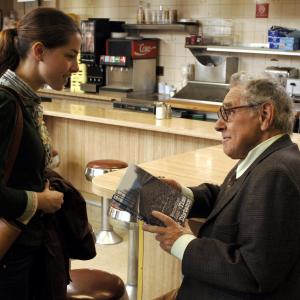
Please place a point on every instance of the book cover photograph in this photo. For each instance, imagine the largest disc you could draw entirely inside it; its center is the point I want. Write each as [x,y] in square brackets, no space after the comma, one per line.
[139,193]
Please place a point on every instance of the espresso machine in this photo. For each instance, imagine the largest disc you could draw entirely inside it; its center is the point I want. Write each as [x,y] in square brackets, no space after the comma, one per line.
[130,65]
[95,31]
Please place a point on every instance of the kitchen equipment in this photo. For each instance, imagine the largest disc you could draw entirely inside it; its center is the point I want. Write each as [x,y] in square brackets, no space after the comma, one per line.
[95,31]
[119,35]
[282,73]
[205,92]
[215,68]
[211,81]
[130,65]
[187,73]
[188,21]
[293,88]
[136,105]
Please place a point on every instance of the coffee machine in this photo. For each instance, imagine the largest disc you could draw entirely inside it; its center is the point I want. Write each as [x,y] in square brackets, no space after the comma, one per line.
[95,31]
[130,65]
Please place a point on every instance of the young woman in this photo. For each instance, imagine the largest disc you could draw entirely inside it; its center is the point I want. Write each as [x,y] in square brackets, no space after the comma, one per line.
[42,50]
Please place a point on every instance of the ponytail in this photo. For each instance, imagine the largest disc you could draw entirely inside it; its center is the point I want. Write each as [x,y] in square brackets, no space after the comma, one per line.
[47,25]
[9,57]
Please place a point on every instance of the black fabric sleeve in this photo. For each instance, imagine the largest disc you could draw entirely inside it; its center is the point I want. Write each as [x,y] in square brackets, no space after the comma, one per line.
[12,201]
[205,196]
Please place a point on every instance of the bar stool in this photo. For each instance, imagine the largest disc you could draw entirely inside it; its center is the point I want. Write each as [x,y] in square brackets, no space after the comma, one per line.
[95,284]
[106,236]
[133,244]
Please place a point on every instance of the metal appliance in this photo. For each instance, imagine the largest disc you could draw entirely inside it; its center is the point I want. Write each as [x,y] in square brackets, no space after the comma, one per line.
[213,68]
[293,89]
[130,65]
[282,73]
[211,80]
[206,92]
[95,32]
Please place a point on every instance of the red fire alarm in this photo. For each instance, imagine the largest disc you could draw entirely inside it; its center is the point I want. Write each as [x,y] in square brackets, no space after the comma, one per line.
[262,10]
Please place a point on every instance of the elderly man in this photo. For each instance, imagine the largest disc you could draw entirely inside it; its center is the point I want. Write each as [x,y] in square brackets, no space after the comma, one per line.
[249,246]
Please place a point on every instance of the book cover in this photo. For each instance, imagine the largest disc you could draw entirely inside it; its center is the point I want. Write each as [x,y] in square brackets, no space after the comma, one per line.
[139,193]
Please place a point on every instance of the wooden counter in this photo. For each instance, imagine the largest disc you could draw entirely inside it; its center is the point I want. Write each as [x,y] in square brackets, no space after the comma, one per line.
[161,272]
[66,94]
[105,114]
[87,130]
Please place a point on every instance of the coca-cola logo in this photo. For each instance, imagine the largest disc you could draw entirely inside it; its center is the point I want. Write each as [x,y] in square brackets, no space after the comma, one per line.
[144,49]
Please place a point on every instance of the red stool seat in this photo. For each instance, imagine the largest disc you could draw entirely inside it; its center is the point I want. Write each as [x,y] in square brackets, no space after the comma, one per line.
[94,284]
[107,164]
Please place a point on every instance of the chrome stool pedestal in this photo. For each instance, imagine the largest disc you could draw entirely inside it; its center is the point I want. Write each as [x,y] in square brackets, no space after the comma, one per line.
[106,235]
[133,244]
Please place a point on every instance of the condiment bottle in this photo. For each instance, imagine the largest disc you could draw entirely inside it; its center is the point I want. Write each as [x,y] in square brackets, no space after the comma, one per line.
[161,111]
[168,111]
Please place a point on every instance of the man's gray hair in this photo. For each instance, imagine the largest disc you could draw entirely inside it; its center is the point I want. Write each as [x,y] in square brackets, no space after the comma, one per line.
[266,89]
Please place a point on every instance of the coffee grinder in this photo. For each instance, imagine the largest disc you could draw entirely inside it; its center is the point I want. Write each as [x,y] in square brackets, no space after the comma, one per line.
[130,65]
[95,31]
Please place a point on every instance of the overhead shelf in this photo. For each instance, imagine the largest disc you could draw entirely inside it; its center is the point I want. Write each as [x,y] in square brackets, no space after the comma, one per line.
[190,28]
[249,50]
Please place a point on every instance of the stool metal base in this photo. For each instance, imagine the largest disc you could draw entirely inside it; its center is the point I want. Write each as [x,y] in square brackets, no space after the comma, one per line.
[105,237]
[131,291]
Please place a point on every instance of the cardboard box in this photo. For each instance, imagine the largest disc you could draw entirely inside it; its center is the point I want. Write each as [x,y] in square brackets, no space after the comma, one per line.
[289,43]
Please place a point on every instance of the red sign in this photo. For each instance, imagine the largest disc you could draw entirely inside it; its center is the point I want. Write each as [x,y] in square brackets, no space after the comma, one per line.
[262,10]
[144,49]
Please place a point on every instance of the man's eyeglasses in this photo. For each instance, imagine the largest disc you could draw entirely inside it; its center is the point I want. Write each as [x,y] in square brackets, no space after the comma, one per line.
[225,113]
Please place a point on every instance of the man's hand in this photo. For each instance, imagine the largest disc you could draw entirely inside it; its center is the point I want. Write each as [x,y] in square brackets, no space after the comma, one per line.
[171,182]
[169,234]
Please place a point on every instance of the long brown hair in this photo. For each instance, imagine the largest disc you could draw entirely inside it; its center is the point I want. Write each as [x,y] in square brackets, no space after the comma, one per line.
[47,25]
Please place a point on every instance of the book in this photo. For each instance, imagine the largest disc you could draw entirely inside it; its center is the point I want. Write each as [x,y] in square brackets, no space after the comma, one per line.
[139,193]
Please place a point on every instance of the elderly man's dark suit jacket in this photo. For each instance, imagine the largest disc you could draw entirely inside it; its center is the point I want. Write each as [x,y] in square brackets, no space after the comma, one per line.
[249,247]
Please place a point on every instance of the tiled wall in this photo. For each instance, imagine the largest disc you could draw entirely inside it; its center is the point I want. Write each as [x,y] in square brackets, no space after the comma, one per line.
[246,28]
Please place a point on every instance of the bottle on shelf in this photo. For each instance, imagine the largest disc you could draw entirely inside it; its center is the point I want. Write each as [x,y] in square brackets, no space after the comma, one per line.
[160,16]
[166,19]
[140,17]
[148,14]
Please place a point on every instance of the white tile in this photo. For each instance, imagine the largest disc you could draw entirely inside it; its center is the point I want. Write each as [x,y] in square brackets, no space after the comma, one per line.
[246,28]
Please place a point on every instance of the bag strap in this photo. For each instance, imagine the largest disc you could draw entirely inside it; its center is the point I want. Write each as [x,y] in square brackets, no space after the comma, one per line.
[17,134]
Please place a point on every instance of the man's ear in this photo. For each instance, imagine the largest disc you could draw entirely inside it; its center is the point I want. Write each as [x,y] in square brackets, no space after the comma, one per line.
[267,112]
[38,50]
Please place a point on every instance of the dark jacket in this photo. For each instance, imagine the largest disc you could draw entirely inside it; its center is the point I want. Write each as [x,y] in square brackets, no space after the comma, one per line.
[249,246]
[67,235]
[27,173]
